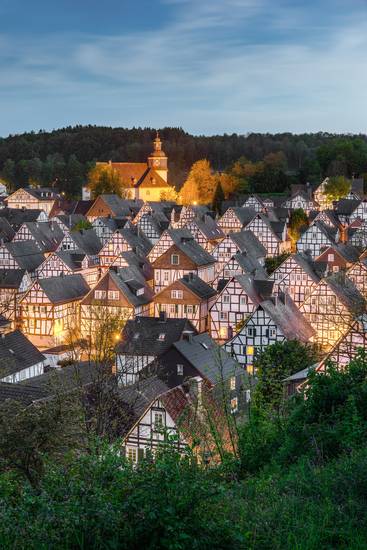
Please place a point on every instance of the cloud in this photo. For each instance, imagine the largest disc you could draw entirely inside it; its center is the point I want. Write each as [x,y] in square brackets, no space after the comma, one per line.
[229,65]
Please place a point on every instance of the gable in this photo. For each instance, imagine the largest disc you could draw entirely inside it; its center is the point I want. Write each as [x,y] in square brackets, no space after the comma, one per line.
[164,261]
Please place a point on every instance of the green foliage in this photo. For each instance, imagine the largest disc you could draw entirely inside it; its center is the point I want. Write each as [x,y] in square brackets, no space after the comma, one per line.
[82,224]
[273,365]
[218,198]
[298,220]
[337,188]
[273,262]
[343,155]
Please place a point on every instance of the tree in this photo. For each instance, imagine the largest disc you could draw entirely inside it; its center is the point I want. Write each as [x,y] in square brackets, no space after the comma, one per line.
[82,224]
[298,220]
[104,179]
[200,184]
[218,198]
[337,188]
[273,365]
[8,173]
[273,262]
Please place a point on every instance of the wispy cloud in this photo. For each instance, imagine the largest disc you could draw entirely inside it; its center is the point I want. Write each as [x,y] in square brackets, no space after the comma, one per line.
[220,65]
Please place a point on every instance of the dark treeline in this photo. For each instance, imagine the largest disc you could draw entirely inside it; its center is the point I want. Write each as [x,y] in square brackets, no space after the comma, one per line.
[65,156]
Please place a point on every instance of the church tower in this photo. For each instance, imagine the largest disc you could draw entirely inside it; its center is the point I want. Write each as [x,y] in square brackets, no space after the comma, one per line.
[158,160]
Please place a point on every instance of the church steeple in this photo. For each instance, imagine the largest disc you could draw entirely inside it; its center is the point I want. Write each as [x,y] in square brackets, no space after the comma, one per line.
[157,159]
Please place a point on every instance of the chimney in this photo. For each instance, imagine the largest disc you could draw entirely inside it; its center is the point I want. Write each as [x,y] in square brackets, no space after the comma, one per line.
[187,336]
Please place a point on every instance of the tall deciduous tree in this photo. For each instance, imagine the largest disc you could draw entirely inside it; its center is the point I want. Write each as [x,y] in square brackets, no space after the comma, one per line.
[337,188]
[104,179]
[200,184]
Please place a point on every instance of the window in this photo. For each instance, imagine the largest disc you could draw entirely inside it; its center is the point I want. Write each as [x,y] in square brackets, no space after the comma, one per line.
[248,396]
[223,315]
[162,336]
[272,332]
[251,331]
[234,405]
[175,259]
[132,454]
[158,420]
[113,295]
[335,268]
[180,370]
[176,294]
[330,257]
[243,300]
[249,350]
[100,294]
[166,275]
[232,383]
[226,299]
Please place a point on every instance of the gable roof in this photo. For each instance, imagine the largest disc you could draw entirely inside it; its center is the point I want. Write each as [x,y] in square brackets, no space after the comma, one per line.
[141,336]
[247,242]
[11,278]
[17,216]
[22,394]
[244,214]
[286,315]
[6,231]
[250,265]
[211,360]
[64,288]
[48,235]
[184,240]
[196,285]
[257,289]
[87,241]
[26,253]
[17,353]
[346,207]
[129,280]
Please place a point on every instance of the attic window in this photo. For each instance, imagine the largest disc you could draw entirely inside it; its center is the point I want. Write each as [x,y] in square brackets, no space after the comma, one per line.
[162,336]
[140,291]
[205,346]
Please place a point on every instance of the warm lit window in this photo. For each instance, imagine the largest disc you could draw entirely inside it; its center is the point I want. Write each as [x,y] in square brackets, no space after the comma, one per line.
[249,350]
[243,300]
[100,294]
[166,275]
[175,259]
[232,383]
[330,257]
[113,295]
[132,454]
[177,294]
[234,405]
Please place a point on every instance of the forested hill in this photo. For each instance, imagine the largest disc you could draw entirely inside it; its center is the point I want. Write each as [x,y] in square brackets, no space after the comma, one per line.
[67,153]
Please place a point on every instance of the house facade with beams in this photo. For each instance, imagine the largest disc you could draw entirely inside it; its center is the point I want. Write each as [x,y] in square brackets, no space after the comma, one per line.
[236,218]
[13,284]
[244,242]
[300,200]
[67,262]
[186,298]
[255,203]
[331,309]
[206,232]
[123,240]
[274,320]
[41,198]
[317,237]
[237,300]
[271,234]
[49,310]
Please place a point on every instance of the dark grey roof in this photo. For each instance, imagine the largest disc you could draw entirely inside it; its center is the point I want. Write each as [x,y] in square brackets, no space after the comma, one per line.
[198,286]
[184,240]
[141,262]
[17,353]
[211,360]
[11,278]
[87,241]
[129,280]
[358,186]
[6,231]
[286,315]
[64,288]
[26,253]
[17,216]
[257,289]
[24,394]
[141,395]
[121,207]
[66,378]
[39,192]
[47,235]
[69,220]
[72,258]
[247,242]
[250,265]
[244,214]
[347,251]
[138,242]
[141,336]
[209,227]
[315,270]
[346,291]
[346,207]
[329,232]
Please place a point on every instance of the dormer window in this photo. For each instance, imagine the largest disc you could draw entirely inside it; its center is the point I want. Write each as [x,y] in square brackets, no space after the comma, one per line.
[162,337]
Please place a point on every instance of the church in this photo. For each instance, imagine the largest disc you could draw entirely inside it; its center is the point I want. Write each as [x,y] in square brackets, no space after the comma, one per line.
[146,181]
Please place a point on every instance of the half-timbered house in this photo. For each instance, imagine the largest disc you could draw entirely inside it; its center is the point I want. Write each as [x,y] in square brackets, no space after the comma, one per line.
[358,275]
[206,232]
[47,235]
[113,206]
[240,264]
[121,294]
[185,255]
[49,310]
[16,217]
[274,320]
[331,308]
[13,284]
[242,242]
[236,301]
[347,346]
[106,227]
[236,218]
[186,298]
[255,203]
[144,340]
[70,262]
[316,237]
[122,241]
[39,198]
[339,256]
[297,276]
[271,234]
[21,255]
[300,200]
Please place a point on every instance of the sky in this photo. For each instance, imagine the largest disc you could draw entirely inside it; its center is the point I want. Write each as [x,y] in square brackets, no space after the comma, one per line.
[208,66]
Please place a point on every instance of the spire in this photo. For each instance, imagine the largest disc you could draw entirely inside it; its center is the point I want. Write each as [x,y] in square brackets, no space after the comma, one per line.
[157,143]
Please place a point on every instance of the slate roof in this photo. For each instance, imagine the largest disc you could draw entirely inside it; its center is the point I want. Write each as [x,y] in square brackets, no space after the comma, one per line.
[17,216]
[26,253]
[141,335]
[209,227]
[39,191]
[346,291]
[247,242]
[64,288]
[257,289]
[6,231]
[315,270]
[347,251]
[141,395]
[129,280]
[138,242]
[346,207]
[11,278]
[23,394]
[288,318]
[211,360]
[250,264]
[196,285]
[17,353]
[184,240]
[87,241]
[72,258]
[70,220]
[67,378]
[244,214]
[47,235]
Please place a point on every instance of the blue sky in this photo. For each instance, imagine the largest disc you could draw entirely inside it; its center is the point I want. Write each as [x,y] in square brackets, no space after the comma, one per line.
[210,66]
